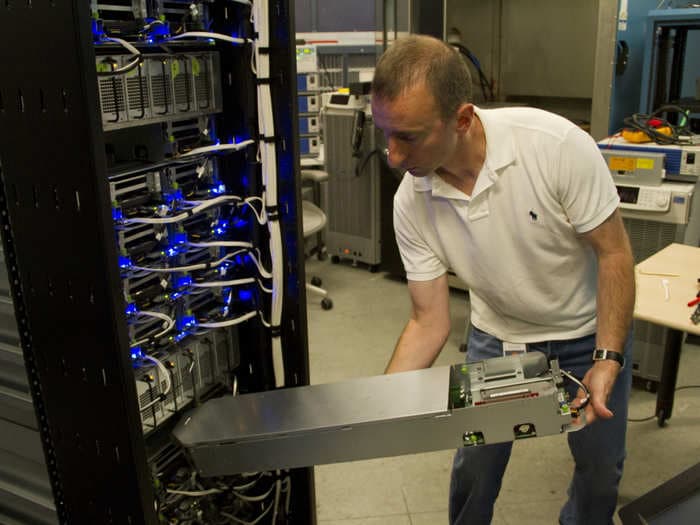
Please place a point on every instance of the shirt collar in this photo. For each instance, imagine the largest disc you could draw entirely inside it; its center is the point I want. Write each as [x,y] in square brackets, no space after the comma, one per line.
[500,153]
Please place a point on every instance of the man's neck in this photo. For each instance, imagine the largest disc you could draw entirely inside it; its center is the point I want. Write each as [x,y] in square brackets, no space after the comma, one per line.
[463,170]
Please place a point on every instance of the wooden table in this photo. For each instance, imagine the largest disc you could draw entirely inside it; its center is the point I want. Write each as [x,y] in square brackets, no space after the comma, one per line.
[666,282]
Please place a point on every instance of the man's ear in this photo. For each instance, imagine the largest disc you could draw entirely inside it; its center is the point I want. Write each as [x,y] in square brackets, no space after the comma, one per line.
[465,117]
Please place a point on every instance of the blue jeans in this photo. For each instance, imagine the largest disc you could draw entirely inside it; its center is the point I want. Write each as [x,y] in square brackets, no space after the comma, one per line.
[598,450]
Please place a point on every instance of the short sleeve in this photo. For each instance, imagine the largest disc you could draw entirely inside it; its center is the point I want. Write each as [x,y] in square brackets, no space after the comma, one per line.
[585,187]
[410,223]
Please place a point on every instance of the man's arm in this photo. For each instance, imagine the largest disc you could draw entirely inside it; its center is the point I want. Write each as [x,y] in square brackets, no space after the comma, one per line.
[427,329]
[615,299]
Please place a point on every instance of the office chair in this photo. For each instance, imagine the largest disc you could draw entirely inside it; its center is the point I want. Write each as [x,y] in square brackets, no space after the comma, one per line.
[314,220]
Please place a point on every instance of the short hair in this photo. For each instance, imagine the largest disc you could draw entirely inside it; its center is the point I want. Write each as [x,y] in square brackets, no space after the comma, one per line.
[419,59]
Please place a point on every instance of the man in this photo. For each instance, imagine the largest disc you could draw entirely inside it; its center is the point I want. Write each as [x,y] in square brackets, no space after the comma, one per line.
[519,203]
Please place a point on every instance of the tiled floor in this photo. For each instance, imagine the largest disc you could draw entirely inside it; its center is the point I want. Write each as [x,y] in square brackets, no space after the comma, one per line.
[356,339]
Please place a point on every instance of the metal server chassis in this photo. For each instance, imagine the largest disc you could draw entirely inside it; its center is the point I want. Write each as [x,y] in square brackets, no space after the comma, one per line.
[491,401]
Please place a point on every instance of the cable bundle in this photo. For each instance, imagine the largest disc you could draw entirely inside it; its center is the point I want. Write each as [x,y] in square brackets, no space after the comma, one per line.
[654,127]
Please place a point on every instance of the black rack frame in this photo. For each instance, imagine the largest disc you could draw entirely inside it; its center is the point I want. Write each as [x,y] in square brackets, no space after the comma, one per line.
[57,233]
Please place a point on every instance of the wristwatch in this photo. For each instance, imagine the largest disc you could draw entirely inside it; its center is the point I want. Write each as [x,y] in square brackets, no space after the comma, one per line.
[601,354]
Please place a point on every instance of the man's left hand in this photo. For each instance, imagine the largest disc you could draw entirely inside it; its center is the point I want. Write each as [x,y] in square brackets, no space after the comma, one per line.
[600,380]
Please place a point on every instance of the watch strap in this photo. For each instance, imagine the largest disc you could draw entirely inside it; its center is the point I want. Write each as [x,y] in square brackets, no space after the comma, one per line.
[602,354]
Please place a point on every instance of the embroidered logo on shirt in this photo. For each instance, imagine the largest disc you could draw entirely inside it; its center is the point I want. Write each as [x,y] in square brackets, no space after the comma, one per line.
[533,216]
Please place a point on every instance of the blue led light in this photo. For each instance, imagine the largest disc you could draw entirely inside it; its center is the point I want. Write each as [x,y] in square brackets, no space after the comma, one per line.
[136,353]
[97,29]
[186,321]
[183,281]
[245,295]
[124,261]
[218,190]
[179,238]
[175,195]
[131,309]
[240,223]
[117,214]
[159,29]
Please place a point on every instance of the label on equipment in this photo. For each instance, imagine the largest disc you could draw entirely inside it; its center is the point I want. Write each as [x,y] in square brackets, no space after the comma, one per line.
[622,163]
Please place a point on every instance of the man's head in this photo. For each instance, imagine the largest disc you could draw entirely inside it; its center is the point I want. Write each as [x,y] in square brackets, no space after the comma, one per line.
[420,100]
[420,59]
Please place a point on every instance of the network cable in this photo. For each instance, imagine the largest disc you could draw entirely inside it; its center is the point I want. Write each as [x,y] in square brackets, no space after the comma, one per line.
[210,36]
[268,157]
[127,67]
[197,207]
[234,282]
[216,148]
[166,376]
[168,325]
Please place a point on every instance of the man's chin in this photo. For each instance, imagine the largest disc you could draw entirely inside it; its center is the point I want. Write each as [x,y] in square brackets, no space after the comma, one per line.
[418,172]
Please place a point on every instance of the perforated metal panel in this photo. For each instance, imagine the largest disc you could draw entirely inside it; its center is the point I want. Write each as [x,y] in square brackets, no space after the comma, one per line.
[160,88]
[353,195]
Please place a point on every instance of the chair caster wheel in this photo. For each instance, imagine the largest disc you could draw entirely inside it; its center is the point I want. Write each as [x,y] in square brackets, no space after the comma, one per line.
[326,304]
[316,281]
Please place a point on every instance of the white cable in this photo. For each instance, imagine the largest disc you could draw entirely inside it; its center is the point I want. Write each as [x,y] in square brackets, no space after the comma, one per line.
[268,157]
[212,36]
[261,216]
[261,497]
[217,147]
[201,266]
[244,2]
[248,485]
[236,282]
[230,322]
[261,269]
[168,383]
[217,284]
[203,205]
[125,44]
[169,323]
[194,493]
[264,321]
[278,493]
[126,67]
[287,503]
[221,244]
[244,522]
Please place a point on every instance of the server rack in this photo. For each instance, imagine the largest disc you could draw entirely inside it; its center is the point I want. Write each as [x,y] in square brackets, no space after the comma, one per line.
[63,265]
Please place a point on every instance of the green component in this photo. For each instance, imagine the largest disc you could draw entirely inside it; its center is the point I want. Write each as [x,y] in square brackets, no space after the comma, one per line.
[171,138]
[175,68]
[195,67]
[473,438]
[103,67]
[565,409]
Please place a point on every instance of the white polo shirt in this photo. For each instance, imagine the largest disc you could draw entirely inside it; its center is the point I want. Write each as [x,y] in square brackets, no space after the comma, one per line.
[515,241]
